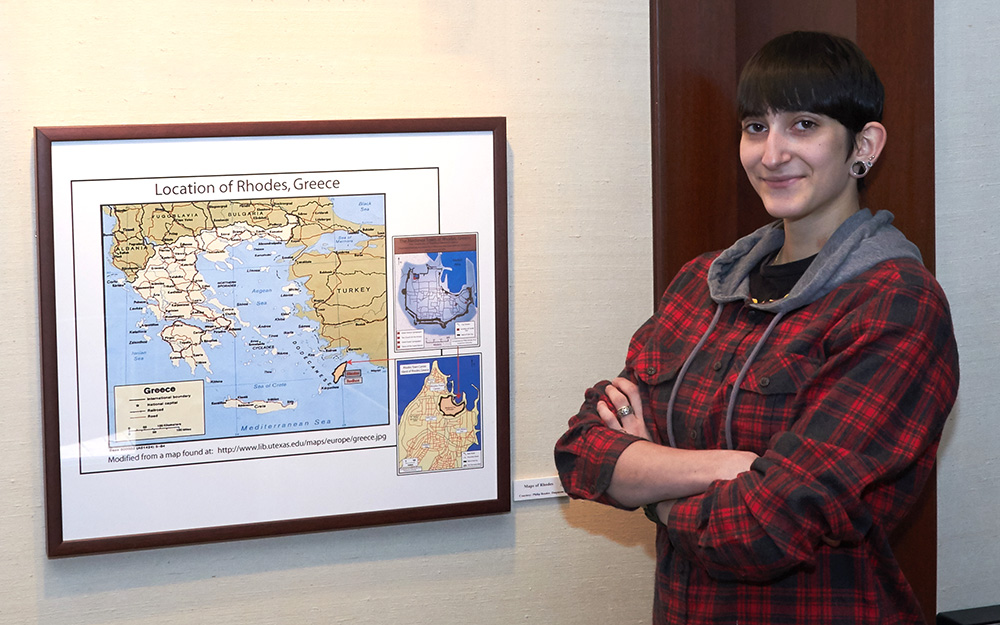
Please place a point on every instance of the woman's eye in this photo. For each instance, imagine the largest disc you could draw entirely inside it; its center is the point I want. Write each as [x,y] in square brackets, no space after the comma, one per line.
[805,124]
[754,127]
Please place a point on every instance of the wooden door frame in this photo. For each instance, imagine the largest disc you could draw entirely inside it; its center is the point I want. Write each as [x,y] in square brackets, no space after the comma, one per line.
[701,200]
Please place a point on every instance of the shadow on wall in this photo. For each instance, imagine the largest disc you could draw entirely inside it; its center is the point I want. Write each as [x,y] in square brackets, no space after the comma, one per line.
[479,540]
[628,529]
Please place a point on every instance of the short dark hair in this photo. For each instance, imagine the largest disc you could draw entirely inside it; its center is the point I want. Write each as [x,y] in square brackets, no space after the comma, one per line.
[814,72]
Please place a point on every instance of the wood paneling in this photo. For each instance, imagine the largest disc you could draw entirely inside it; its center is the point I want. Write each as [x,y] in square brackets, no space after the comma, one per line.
[695,132]
[898,37]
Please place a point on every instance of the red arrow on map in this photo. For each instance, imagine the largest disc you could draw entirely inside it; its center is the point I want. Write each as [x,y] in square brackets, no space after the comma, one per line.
[351,362]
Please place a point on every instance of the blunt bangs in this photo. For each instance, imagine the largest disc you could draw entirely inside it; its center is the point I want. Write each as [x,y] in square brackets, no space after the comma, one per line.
[813,72]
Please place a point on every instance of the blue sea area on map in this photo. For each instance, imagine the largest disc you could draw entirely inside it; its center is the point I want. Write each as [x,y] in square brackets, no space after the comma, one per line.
[340,242]
[361,209]
[276,354]
[464,381]
[460,271]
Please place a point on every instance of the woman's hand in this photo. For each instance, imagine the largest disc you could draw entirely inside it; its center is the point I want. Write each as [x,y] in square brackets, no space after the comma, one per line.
[625,410]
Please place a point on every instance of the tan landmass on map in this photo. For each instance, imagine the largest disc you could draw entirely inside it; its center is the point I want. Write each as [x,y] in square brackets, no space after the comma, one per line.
[348,298]
[141,227]
[129,251]
[186,344]
[175,290]
[338,373]
[259,405]
[449,407]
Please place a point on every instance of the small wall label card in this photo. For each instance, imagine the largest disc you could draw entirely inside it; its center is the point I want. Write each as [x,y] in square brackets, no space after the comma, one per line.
[268,328]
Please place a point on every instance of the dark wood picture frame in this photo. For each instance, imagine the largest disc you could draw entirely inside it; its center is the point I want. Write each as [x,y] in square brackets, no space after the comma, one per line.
[481,495]
[701,199]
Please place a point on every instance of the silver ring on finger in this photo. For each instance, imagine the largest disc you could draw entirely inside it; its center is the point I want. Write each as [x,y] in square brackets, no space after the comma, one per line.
[625,411]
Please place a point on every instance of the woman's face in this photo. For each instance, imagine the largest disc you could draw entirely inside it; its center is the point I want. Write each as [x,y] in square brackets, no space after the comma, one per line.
[798,164]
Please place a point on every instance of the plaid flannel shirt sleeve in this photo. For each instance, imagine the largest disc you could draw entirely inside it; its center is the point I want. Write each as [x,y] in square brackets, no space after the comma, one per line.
[587,453]
[858,455]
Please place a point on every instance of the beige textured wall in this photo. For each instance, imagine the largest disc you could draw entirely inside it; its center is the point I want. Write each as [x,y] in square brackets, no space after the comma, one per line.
[967,93]
[571,76]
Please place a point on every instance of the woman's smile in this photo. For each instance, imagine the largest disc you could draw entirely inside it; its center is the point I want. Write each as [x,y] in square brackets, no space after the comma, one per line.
[781,182]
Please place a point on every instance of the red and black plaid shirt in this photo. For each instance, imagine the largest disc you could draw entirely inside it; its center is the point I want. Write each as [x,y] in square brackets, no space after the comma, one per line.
[845,404]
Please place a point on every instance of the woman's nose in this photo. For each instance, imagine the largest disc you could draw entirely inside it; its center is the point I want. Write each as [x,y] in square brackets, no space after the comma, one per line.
[775,150]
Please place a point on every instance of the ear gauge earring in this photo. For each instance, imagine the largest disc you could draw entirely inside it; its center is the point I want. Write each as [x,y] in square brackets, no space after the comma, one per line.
[860,169]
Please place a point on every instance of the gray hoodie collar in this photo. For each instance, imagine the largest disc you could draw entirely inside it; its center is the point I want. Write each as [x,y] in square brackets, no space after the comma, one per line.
[861,242]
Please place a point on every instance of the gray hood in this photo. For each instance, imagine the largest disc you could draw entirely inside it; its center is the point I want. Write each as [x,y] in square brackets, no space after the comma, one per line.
[860,243]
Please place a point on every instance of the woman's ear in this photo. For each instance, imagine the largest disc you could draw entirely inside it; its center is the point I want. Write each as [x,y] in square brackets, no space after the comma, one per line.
[869,142]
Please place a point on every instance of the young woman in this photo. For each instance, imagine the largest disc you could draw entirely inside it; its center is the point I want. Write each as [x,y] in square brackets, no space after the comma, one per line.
[780,412]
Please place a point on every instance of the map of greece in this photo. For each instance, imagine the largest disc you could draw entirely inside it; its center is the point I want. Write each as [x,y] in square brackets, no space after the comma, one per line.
[270,314]
[439,425]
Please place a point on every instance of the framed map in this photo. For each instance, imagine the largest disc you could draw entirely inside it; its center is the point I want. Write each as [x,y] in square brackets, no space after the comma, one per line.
[268,328]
